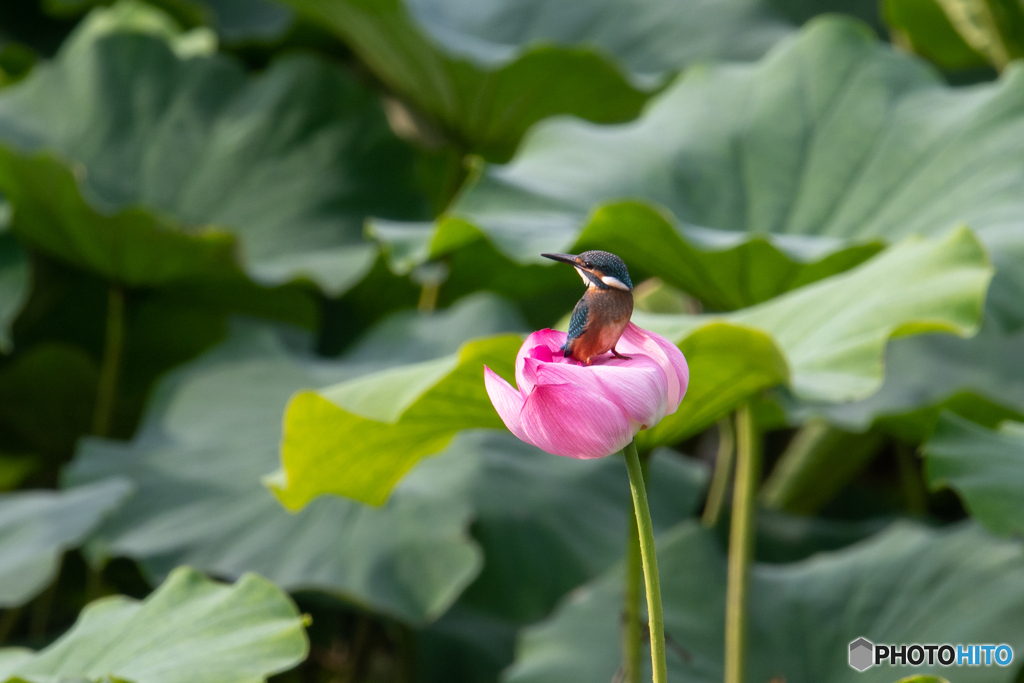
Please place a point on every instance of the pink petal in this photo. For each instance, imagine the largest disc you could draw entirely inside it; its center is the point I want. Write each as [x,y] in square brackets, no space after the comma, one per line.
[570,420]
[638,341]
[679,368]
[638,385]
[543,345]
[507,401]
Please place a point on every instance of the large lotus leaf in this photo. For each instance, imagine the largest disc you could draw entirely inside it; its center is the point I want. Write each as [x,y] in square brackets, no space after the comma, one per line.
[36,527]
[901,586]
[985,467]
[190,630]
[980,378]
[374,429]
[743,181]
[132,247]
[648,39]
[14,281]
[212,430]
[485,71]
[136,16]
[286,165]
[359,437]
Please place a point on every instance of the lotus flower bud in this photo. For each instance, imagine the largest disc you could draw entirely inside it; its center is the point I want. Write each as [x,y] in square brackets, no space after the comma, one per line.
[580,411]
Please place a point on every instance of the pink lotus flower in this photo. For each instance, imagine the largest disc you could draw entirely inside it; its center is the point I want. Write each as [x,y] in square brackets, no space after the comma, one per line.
[580,411]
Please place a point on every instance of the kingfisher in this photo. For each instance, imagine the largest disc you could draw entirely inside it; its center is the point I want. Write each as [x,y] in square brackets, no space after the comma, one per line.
[601,316]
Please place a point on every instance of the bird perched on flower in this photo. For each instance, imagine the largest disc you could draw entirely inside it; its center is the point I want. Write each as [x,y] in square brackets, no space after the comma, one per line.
[589,411]
[601,315]
[575,399]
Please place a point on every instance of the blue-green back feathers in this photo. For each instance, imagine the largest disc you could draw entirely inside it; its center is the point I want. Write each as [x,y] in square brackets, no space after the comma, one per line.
[578,322]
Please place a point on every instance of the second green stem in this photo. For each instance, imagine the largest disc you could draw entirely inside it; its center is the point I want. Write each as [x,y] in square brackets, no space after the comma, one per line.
[655,618]
[741,545]
[723,470]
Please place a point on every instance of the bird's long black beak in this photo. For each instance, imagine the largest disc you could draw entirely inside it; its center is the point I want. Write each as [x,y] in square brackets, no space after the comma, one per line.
[564,258]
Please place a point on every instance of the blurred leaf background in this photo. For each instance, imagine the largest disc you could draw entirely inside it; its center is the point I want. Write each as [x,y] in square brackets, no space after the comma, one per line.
[254,253]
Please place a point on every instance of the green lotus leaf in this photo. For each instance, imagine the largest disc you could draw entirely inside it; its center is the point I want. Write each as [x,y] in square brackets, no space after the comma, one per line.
[386,423]
[978,378]
[827,339]
[36,527]
[728,363]
[919,387]
[196,464]
[990,29]
[833,332]
[483,76]
[893,588]
[178,170]
[190,630]
[924,27]
[135,16]
[740,182]
[675,34]
[985,467]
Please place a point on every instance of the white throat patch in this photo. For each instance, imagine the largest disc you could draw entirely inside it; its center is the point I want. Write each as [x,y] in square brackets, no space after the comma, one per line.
[614,282]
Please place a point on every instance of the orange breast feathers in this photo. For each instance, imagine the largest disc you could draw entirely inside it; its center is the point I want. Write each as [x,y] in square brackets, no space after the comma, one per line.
[609,315]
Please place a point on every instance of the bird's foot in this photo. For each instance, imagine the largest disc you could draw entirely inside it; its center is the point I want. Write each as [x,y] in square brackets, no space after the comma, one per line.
[616,354]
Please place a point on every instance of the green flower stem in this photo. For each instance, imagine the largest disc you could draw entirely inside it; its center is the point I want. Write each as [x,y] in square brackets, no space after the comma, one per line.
[723,470]
[106,391]
[656,620]
[741,544]
[632,632]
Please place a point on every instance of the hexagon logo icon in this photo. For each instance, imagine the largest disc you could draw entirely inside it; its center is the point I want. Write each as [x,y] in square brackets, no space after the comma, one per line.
[862,653]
